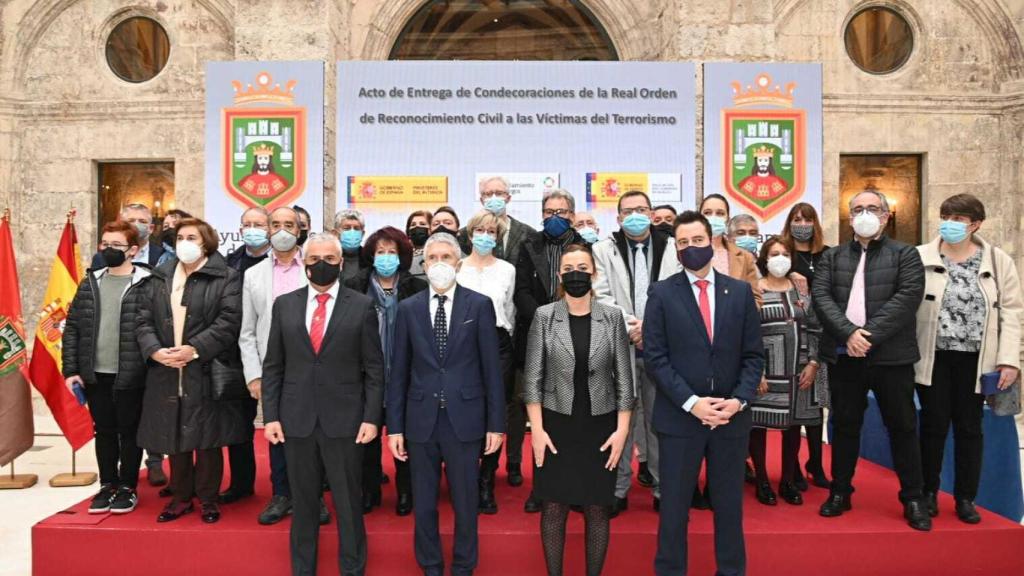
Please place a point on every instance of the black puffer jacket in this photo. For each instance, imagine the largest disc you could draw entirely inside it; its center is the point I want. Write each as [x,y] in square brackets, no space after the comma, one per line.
[176,420]
[894,288]
[80,330]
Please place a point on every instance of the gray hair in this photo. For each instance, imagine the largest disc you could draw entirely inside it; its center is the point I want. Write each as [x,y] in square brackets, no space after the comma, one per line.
[324,238]
[559,193]
[485,181]
[739,220]
[343,215]
[881,197]
[443,238]
[137,206]
[258,209]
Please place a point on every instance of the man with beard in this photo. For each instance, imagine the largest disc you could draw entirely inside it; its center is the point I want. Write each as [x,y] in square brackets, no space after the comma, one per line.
[263,182]
[762,182]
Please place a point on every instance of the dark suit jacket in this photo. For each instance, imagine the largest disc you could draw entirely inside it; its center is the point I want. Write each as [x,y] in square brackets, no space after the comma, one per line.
[470,372]
[341,387]
[533,284]
[517,233]
[681,360]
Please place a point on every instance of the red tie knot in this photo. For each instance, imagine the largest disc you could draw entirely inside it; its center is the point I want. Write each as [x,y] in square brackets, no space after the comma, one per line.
[702,284]
[323,298]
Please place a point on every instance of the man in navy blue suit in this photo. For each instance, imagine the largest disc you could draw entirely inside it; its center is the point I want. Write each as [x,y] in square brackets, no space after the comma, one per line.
[445,397]
[703,349]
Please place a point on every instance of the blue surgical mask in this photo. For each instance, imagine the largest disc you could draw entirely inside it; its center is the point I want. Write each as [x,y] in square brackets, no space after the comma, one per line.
[748,243]
[556,226]
[718,225]
[254,237]
[588,234]
[385,264]
[636,224]
[495,205]
[351,240]
[484,243]
[953,232]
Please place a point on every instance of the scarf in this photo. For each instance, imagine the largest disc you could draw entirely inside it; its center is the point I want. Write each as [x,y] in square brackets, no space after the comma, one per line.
[387,311]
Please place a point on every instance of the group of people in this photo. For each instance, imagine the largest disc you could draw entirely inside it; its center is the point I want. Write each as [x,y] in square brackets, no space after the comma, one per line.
[679,339]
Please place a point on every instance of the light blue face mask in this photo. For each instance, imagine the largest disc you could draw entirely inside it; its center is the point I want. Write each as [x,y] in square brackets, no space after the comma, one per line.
[953,232]
[351,239]
[636,224]
[748,243]
[385,264]
[588,234]
[254,237]
[484,243]
[718,225]
[495,205]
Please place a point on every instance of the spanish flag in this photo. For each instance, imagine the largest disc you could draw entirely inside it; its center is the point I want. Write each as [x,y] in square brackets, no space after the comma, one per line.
[45,368]
[16,431]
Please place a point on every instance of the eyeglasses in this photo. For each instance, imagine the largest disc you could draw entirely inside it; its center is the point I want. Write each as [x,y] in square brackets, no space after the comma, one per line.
[873,210]
[645,210]
[549,212]
[493,193]
[121,247]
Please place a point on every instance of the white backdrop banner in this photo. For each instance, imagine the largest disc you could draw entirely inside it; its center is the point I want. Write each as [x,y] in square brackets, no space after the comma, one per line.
[264,141]
[762,138]
[432,130]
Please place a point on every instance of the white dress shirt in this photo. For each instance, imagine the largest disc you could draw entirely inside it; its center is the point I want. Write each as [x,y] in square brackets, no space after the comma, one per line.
[143,254]
[447,307]
[498,282]
[692,279]
[312,304]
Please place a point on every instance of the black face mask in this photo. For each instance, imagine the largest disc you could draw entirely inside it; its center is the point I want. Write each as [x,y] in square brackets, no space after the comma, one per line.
[576,283]
[303,234]
[419,235]
[112,257]
[665,227]
[441,229]
[323,273]
[168,237]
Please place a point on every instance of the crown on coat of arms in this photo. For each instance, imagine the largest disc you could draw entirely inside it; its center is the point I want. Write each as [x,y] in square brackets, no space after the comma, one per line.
[264,91]
[263,150]
[762,93]
[764,152]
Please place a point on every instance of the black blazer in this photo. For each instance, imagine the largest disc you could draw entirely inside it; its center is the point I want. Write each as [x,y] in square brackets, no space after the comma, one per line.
[342,386]
[533,284]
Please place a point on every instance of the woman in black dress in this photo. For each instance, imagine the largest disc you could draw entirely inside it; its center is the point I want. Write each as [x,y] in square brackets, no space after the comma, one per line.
[578,425]
[803,230]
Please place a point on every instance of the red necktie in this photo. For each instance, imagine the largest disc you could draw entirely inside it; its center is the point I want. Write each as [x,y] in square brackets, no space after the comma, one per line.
[705,307]
[316,327]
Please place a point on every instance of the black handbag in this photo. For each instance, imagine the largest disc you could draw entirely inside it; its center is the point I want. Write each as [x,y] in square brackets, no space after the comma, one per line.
[227,382]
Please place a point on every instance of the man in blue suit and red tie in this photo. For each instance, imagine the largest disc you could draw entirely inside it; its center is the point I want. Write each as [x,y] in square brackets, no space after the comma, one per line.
[446,396]
[703,349]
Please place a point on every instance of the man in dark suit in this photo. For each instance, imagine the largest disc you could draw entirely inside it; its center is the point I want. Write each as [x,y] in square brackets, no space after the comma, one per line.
[445,396]
[703,349]
[323,386]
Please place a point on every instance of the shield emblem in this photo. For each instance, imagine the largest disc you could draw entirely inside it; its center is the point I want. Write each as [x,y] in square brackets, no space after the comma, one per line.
[264,155]
[764,158]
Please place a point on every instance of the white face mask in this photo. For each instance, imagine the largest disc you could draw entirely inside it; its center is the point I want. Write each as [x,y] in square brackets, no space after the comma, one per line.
[188,252]
[283,240]
[441,275]
[778,265]
[866,225]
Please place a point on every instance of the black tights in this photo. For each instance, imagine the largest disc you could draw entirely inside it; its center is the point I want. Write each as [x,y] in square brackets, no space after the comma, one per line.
[790,449]
[552,533]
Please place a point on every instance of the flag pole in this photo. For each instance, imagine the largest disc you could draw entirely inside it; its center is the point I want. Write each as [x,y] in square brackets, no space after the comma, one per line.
[17,481]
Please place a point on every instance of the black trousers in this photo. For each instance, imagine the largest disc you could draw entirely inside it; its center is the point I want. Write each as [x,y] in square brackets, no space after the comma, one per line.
[515,411]
[200,476]
[115,416]
[851,378]
[373,471]
[242,457]
[951,399]
[725,449]
[309,459]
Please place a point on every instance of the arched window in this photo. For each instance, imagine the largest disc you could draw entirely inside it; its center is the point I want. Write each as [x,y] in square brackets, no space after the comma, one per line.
[503,30]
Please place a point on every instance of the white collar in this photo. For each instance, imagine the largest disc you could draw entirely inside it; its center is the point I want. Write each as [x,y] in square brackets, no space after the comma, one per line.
[333,291]
[450,293]
[692,278]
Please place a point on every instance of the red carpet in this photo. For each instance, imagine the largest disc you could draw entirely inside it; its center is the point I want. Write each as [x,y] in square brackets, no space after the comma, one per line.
[872,539]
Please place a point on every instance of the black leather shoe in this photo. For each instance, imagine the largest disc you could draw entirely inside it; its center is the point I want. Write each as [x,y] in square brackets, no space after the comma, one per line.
[231,496]
[966,511]
[765,494]
[748,474]
[644,476]
[931,502]
[404,505]
[621,505]
[917,517]
[820,480]
[486,502]
[370,499]
[174,510]
[657,504]
[155,475]
[276,510]
[835,505]
[699,502]
[325,516]
[791,493]
[801,483]
[515,474]
[533,504]
[210,512]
